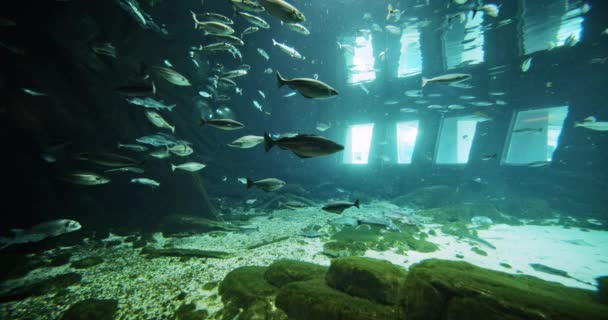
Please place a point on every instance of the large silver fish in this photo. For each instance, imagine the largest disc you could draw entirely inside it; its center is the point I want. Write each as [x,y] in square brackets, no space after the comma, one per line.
[283,10]
[309,88]
[303,145]
[172,76]
[41,231]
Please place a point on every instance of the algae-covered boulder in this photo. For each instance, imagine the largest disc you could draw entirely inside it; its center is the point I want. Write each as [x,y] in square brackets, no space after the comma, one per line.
[244,285]
[188,311]
[91,309]
[53,284]
[313,299]
[428,197]
[372,279]
[437,289]
[282,272]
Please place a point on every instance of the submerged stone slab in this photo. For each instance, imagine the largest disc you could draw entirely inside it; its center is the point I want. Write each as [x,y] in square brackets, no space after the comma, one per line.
[245,285]
[313,299]
[92,309]
[438,289]
[282,272]
[373,279]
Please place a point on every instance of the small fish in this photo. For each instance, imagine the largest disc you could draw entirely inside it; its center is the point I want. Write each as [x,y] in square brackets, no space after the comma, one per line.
[487,157]
[104,49]
[340,206]
[528,130]
[291,94]
[172,76]
[48,157]
[205,94]
[34,93]
[537,164]
[322,126]
[408,110]
[157,120]
[292,205]
[211,26]
[108,159]
[482,103]
[254,20]
[303,145]
[268,184]
[84,178]
[181,150]
[262,94]
[249,30]
[525,66]
[207,16]
[248,5]
[131,147]
[246,142]
[160,153]
[268,71]
[296,27]
[257,105]
[251,201]
[223,124]
[264,54]
[127,169]
[447,78]
[592,124]
[150,103]
[238,91]
[456,107]
[393,29]
[189,166]
[242,180]
[146,182]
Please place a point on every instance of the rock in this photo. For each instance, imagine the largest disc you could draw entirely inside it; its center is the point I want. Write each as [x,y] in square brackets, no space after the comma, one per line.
[139,243]
[87,262]
[151,253]
[313,299]
[282,272]
[336,249]
[60,260]
[53,284]
[367,278]
[245,285]
[602,289]
[456,290]
[91,309]
[428,197]
[188,312]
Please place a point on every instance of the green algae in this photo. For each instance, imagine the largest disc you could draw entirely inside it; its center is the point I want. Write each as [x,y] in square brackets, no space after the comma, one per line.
[282,272]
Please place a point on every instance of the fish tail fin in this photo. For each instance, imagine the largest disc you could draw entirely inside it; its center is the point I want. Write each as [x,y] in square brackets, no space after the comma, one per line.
[268,142]
[424,81]
[280,80]
[173,167]
[357,204]
[577,124]
[172,129]
[249,183]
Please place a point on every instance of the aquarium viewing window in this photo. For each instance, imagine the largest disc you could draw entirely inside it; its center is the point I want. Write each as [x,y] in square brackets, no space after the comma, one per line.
[549,24]
[464,42]
[358,143]
[406,140]
[534,135]
[360,60]
[410,60]
[455,140]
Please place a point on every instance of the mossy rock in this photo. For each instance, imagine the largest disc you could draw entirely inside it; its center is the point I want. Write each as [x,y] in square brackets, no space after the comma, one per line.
[313,299]
[151,253]
[139,243]
[439,289]
[355,241]
[525,208]
[282,272]
[245,285]
[87,262]
[428,197]
[15,265]
[367,278]
[336,249]
[91,309]
[602,289]
[479,251]
[53,284]
[60,260]
[188,311]
[262,310]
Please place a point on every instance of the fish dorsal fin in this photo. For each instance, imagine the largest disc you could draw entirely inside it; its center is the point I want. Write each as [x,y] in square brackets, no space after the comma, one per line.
[590,119]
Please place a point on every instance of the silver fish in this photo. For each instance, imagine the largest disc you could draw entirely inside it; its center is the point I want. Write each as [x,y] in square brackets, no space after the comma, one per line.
[283,10]
[146,182]
[254,20]
[268,184]
[309,88]
[172,76]
[287,49]
[41,231]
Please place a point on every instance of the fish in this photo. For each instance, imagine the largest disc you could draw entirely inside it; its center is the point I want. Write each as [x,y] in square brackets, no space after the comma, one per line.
[211,26]
[234,74]
[223,124]
[248,5]
[160,140]
[257,105]
[481,103]
[344,221]
[251,201]
[131,147]
[293,205]
[249,30]
[217,46]
[537,164]
[168,63]
[146,182]
[408,110]
[393,13]
[188,166]
[447,78]
[227,38]
[160,153]
[340,206]
[225,82]
[456,107]
[126,169]
[151,103]
[137,90]
[491,10]
[84,178]
[222,97]
[528,130]
[262,94]
[591,123]
[246,142]
[157,120]
[303,145]
[487,157]
[40,232]
[172,76]
[346,47]
[109,159]
[268,71]
[481,221]
[205,94]
[525,66]
[322,126]
[296,27]
[210,16]
[268,184]
[264,54]
[34,93]
[181,150]
[405,218]
[283,10]
[104,49]
[309,88]
[254,20]
[310,232]
[291,94]
[556,272]
[287,49]
[386,223]
[393,29]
